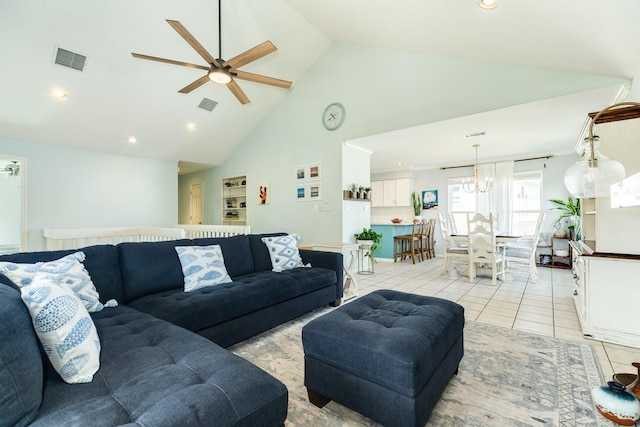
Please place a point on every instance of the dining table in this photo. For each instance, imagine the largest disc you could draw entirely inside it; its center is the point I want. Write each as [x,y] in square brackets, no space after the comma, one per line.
[500,238]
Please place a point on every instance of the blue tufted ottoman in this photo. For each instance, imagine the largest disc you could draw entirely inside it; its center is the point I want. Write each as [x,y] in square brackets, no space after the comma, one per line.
[387,355]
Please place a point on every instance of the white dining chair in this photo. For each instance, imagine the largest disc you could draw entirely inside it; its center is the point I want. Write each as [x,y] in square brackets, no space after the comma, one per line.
[483,248]
[450,250]
[524,251]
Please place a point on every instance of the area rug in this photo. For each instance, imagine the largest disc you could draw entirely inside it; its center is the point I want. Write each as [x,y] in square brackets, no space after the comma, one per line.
[506,378]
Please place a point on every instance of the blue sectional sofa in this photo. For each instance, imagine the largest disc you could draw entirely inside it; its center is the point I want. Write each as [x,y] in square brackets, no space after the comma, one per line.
[162,361]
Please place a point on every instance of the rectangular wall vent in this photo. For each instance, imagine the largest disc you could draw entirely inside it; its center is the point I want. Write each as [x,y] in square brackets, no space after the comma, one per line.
[207,104]
[70,59]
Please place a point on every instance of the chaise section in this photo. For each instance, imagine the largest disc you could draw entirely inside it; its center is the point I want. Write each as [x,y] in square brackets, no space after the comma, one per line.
[154,373]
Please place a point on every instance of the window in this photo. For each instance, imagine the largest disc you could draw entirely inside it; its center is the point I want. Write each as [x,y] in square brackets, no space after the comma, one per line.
[526,202]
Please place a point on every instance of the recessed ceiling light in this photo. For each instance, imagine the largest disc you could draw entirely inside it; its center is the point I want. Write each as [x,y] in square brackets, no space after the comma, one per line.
[487,4]
[132,140]
[399,163]
[191,126]
[59,94]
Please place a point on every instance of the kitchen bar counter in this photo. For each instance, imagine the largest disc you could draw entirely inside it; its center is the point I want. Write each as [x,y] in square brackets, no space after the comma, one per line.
[389,231]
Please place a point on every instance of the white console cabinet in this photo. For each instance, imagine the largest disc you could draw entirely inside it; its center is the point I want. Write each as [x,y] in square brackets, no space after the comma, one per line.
[606,263]
[606,293]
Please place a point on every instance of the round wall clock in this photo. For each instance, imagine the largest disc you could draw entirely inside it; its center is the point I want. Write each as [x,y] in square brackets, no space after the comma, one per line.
[333,116]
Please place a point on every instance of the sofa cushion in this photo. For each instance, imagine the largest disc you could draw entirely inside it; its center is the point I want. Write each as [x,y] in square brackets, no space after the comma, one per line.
[156,374]
[207,307]
[283,251]
[68,269]
[21,371]
[150,267]
[202,266]
[64,327]
[236,251]
[101,262]
[259,251]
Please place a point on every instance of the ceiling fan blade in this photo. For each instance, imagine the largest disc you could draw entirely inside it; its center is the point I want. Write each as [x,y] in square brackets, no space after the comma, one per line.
[191,86]
[169,61]
[251,55]
[235,89]
[262,79]
[192,41]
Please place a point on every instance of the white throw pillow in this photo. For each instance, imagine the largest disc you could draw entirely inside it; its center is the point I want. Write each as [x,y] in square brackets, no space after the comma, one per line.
[202,266]
[68,270]
[64,327]
[284,253]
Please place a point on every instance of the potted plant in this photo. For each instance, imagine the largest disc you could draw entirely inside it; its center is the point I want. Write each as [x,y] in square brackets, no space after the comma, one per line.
[370,237]
[353,188]
[417,205]
[367,191]
[360,192]
[570,213]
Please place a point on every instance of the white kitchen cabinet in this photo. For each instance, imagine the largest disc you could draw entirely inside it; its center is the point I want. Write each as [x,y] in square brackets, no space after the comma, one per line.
[391,192]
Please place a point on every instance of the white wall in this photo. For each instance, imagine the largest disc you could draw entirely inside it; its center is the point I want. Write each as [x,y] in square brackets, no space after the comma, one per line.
[11,205]
[76,188]
[292,134]
[356,215]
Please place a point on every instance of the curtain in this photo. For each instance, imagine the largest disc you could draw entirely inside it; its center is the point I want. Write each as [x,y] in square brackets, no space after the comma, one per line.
[497,201]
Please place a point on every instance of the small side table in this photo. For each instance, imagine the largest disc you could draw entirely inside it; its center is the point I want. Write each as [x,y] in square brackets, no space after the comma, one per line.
[349,268]
[365,263]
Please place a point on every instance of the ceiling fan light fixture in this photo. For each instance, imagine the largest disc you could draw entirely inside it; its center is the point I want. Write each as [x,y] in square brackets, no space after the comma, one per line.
[219,76]
[487,4]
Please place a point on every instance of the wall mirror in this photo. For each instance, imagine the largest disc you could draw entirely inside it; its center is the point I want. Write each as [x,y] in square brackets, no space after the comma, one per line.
[12,208]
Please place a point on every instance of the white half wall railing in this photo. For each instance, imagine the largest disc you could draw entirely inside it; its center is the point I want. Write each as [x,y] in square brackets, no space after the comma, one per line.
[199,231]
[74,238]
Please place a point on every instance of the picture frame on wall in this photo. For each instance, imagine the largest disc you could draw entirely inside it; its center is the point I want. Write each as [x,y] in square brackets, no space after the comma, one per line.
[300,173]
[314,172]
[430,199]
[264,193]
[315,191]
[301,192]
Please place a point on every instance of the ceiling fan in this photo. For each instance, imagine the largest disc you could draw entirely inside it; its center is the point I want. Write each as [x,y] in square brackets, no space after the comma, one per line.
[219,70]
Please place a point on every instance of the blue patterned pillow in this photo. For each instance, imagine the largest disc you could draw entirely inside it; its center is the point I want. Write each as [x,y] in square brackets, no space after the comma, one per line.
[68,270]
[202,266]
[64,327]
[284,253]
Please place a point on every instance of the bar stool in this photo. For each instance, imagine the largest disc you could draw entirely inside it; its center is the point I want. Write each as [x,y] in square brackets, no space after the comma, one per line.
[409,245]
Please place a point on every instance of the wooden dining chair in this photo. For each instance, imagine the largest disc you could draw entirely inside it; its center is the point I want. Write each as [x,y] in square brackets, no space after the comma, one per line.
[408,245]
[432,238]
[450,250]
[483,248]
[424,239]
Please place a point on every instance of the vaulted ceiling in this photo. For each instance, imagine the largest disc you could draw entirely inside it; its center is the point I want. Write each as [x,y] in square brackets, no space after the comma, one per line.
[117,96]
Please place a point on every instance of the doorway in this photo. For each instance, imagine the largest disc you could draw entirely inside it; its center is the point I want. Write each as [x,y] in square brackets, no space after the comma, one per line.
[12,211]
[196,205]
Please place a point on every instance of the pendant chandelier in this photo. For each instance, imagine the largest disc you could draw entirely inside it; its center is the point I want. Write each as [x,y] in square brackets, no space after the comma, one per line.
[477,186]
[593,175]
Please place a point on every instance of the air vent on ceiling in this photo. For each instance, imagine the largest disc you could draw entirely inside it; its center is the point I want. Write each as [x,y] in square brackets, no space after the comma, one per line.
[475,134]
[207,104]
[70,59]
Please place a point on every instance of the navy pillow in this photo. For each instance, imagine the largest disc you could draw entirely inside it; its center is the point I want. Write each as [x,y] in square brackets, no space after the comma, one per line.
[261,257]
[101,263]
[21,374]
[150,267]
[236,252]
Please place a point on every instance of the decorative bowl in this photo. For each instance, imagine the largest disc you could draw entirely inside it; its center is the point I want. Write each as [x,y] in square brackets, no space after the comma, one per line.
[627,380]
[562,252]
[396,220]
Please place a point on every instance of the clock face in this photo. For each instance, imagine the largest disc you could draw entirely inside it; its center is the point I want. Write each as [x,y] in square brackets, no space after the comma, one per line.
[333,116]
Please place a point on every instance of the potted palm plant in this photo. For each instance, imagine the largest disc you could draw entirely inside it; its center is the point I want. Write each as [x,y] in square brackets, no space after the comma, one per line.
[570,214]
[372,239]
[416,203]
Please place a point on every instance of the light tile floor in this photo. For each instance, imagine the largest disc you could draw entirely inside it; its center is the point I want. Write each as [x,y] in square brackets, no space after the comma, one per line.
[545,307]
